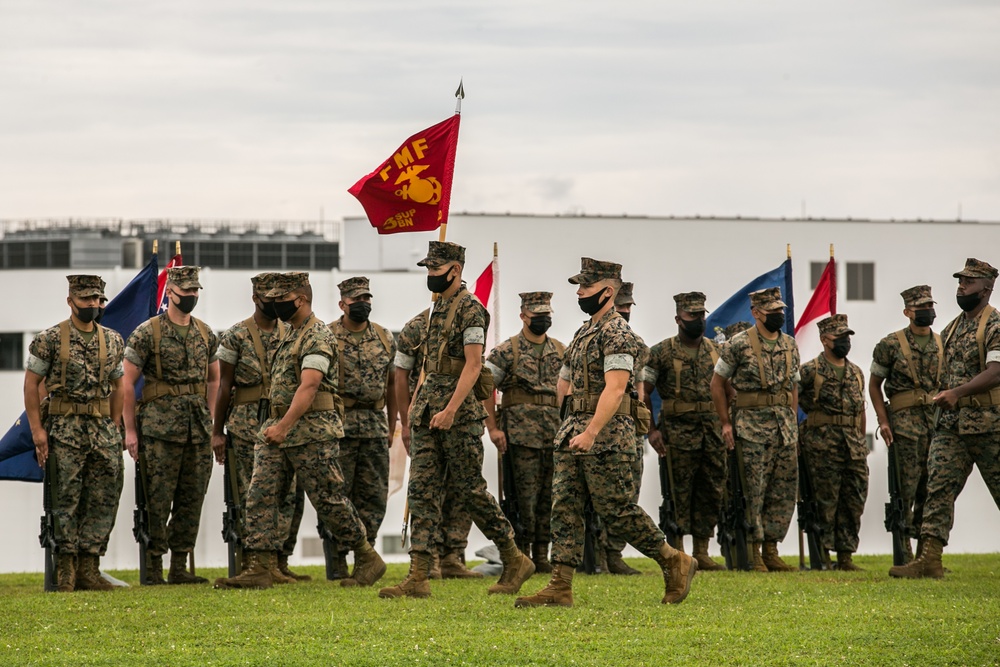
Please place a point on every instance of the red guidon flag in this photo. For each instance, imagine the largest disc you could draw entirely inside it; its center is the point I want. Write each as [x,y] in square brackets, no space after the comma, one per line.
[411,190]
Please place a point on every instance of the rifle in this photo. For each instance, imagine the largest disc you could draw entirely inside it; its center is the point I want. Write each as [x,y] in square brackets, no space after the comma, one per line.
[140,516]
[47,536]
[592,527]
[508,490]
[668,509]
[734,520]
[808,510]
[895,512]
[331,552]
[232,517]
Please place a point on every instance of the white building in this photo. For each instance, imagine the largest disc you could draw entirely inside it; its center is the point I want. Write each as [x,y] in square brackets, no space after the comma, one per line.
[876,260]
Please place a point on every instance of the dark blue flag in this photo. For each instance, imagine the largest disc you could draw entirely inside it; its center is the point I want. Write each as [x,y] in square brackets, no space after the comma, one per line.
[131,307]
[737,307]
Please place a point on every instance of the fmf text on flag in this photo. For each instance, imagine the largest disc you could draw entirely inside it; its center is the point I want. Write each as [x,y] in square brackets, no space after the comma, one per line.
[411,190]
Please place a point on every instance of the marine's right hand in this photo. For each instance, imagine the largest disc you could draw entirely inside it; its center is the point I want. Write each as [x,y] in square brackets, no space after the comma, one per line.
[728,437]
[886,433]
[656,442]
[219,448]
[404,433]
[132,444]
[41,440]
[499,439]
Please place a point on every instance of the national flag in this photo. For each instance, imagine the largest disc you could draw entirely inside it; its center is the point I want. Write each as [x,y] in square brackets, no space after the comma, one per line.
[823,303]
[411,190]
[486,283]
[737,307]
[131,307]
[161,284]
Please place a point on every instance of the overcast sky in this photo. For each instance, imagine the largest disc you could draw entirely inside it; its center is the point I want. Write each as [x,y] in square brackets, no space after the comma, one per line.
[252,109]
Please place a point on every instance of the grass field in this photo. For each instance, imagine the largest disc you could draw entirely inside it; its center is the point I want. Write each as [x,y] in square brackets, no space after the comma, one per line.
[802,618]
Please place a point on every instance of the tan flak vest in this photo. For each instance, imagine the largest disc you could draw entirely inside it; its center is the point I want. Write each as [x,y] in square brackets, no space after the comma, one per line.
[254,393]
[916,396]
[519,396]
[676,406]
[98,407]
[987,398]
[764,398]
[155,386]
[353,403]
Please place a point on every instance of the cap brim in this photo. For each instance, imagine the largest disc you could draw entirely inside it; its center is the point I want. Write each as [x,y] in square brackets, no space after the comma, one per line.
[274,293]
[432,262]
[88,292]
[917,304]
[582,279]
[354,294]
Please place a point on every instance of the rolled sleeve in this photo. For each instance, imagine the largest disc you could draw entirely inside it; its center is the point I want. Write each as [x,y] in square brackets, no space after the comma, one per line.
[405,361]
[118,372]
[498,374]
[37,366]
[474,336]
[879,371]
[317,362]
[993,356]
[723,369]
[649,374]
[619,362]
[564,373]
[227,355]
[134,357]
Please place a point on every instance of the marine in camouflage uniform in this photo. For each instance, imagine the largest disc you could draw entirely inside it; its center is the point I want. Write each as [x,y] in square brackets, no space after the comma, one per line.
[526,369]
[832,437]
[452,538]
[300,441]
[596,442]
[173,420]
[246,351]
[446,429]
[765,420]
[79,431]
[688,432]
[969,429]
[907,366]
[366,384]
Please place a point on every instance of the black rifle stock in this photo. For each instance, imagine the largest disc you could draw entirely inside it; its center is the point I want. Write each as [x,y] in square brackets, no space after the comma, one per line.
[809,524]
[47,536]
[591,525]
[232,516]
[895,512]
[508,489]
[140,516]
[734,520]
[668,506]
[331,552]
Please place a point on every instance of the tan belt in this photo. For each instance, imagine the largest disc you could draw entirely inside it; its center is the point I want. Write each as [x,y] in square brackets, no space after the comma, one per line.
[984,400]
[518,396]
[248,394]
[353,404]
[98,407]
[684,407]
[588,403]
[910,399]
[760,399]
[446,366]
[823,419]
[154,389]
[324,401]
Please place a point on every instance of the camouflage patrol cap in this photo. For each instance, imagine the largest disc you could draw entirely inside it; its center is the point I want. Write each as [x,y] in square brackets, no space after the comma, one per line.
[735,328]
[185,277]
[287,282]
[917,296]
[835,325]
[86,286]
[766,299]
[354,287]
[442,252]
[263,282]
[976,268]
[690,302]
[594,270]
[536,302]
[624,295]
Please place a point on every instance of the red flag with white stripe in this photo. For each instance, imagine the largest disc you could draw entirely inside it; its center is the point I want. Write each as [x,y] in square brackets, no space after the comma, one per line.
[161,283]
[823,303]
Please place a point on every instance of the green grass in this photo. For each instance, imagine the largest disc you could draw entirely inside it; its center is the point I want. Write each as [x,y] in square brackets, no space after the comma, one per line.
[802,618]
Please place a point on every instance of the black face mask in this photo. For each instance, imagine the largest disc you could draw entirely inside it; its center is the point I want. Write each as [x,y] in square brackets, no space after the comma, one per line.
[841,347]
[968,302]
[774,321]
[924,317]
[88,315]
[693,328]
[592,304]
[286,309]
[539,324]
[186,304]
[438,284]
[626,314]
[267,308]
[359,311]
[100,315]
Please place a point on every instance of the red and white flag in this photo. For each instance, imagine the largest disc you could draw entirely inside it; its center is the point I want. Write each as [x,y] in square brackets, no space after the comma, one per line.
[161,283]
[486,285]
[823,303]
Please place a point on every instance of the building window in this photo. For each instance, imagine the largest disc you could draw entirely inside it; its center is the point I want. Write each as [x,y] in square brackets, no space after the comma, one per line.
[269,256]
[60,254]
[860,281]
[17,255]
[38,254]
[815,273]
[211,253]
[241,256]
[298,256]
[327,256]
[11,351]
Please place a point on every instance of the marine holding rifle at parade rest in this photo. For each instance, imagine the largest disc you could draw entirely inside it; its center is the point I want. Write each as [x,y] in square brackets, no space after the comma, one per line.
[75,431]
[907,368]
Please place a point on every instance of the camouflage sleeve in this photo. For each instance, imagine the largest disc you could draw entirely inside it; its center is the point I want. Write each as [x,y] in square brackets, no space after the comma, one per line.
[213,345]
[499,362]
[564,373]
[392,350]
[407,344]
[729,358]
[807,376]
[40,354]
[881,359]
[651,372]
[317,351]
[619,346]
[229,347]
[473,320]
[138,347]
[796,362]
[115,342]
[992,338]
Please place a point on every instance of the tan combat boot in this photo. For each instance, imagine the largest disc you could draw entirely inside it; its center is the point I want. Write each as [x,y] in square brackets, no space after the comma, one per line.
[772,561]
[178,570]
[66,573]
[452,567]
[617,566]
[256,572]
[558,592]
[540,557]
[283,568]
[678,572]
[758,562]
[700,553]
[154,571]
[517,569]
[368,566]
[846,563]
[927,564]
[277,575]
[435,571]
[88,574]
[415,585]
[907,550]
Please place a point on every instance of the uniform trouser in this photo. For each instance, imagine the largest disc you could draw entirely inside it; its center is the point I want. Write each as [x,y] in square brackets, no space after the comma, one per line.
[840,485]
[456,521]
[89,480]
[911,457]
[608,539]
[772,476]
[607,478]
[289,509]
[436,455]
[948,467]
[314,465]
[177,475]
[533,485]
[365,465]
[699,478]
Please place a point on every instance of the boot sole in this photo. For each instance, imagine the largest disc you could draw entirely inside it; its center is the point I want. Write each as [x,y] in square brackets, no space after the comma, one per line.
[391,596]
[222,584]
[522,604]
[357,582]
[687,584]
[519,579]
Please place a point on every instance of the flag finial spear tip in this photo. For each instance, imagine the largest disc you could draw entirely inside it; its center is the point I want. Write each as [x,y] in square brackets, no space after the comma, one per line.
[460,93]
[831,251]
[788,250]
[155,244]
